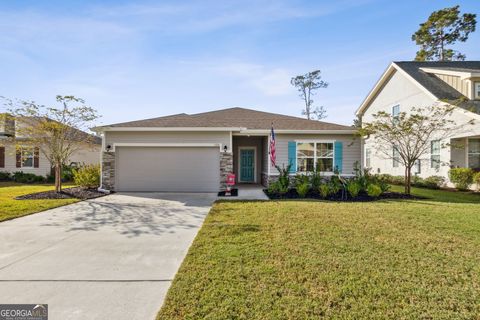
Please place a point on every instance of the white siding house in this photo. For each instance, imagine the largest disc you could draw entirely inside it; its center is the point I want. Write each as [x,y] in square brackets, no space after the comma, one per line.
[405,85]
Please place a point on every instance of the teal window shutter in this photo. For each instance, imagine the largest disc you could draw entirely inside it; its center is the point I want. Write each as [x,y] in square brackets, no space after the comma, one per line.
[292,155]
[338,149]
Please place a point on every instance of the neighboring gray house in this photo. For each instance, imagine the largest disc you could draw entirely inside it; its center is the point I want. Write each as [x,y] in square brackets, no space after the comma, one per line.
[194,153]
[419,84]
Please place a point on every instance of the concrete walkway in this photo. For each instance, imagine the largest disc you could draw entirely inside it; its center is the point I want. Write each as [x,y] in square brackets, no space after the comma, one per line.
[108,258]
[248,192]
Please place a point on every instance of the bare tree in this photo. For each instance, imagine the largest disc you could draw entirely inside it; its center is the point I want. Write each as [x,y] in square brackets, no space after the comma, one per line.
[406,138]
[306,85]
[56,131]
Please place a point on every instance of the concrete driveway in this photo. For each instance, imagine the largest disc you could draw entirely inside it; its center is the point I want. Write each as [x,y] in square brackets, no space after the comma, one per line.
[109,258]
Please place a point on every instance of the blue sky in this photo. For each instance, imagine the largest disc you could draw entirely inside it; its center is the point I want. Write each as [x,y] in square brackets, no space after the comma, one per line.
[141,59]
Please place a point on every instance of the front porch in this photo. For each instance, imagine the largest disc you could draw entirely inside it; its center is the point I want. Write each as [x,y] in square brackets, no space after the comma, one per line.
[250,159]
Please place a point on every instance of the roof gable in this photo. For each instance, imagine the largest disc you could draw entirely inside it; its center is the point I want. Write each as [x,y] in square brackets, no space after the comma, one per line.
[428,82]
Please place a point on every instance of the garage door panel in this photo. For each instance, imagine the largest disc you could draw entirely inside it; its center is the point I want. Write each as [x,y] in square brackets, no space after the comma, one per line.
[167,169]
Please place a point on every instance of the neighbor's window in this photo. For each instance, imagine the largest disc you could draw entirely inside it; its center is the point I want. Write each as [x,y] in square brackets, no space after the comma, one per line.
[474,153]
[396,157]
[477,90]
[418,167]
[368,154]
[311,153]
[435,154]
[27,157]
[395,112]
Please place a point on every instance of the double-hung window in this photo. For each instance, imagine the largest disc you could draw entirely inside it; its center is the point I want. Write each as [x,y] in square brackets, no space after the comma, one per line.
[435,154]
[27,154]
[474,153]
[396,157]
[368,155]
[418,167]
[476,89]
[395,112]
[315,155]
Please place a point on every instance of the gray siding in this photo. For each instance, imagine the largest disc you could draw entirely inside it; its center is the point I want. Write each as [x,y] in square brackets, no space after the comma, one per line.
[351,148]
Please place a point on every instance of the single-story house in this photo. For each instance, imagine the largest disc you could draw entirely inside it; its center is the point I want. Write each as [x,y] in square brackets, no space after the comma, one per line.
[409,84]
[17,153]
[196,152]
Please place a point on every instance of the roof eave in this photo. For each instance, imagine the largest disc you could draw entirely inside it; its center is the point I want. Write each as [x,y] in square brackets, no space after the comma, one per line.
[375,89]
[392,67]
[130,129]
[303,131]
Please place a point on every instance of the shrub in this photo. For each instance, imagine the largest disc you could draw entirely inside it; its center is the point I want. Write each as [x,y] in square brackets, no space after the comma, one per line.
[324,190]
[354,188]
[434,182]
[284,176]
[400,180]
[374,190]
[67,173]
[5,176]
[273,187]
[301,178]
[462,178]
[87,176]
[476,179]
[335,185]
[22,177]
[315,180]
[417,182]
[302,189]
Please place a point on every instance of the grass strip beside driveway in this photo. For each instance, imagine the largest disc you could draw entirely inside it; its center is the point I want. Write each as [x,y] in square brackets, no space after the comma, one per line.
[311,259]
[11,208]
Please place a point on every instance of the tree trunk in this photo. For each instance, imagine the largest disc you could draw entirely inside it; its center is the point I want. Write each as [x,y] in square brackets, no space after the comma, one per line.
[58,177]
[408,179]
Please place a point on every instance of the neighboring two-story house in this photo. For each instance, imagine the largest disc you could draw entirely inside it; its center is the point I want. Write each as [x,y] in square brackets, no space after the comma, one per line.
[420,84]
[18,154]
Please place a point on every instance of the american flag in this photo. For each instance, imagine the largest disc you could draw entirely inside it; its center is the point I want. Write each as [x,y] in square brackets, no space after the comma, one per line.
[273,155]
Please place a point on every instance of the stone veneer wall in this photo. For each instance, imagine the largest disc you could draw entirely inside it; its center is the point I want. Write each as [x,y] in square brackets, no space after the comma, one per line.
[266,179]
[226,167]
[108,171]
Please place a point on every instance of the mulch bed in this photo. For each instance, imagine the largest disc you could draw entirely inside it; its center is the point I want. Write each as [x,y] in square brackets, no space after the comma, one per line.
[234,193]
[362,197]
[67,193]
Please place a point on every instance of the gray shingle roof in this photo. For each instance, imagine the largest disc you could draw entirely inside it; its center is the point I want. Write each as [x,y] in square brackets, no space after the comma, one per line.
[234,118]
[436,86]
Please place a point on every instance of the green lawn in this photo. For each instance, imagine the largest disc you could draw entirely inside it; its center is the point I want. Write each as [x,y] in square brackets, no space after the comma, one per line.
[11,208]
[308,260]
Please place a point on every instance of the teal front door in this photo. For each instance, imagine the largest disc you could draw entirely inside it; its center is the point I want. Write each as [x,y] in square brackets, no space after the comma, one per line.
[247,165]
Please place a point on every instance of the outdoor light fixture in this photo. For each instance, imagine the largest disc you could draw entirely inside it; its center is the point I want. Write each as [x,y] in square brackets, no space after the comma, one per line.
[225,148]
[108,147]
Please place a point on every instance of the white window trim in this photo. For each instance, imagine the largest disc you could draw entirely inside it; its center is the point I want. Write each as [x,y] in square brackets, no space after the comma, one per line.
[470,153]
[315,154]
[435,154]
[254,148]
[22,158]
[476,90]
[393,108]
[368,157]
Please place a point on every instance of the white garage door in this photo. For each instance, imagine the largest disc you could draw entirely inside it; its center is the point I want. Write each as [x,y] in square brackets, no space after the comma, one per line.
[167,169]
